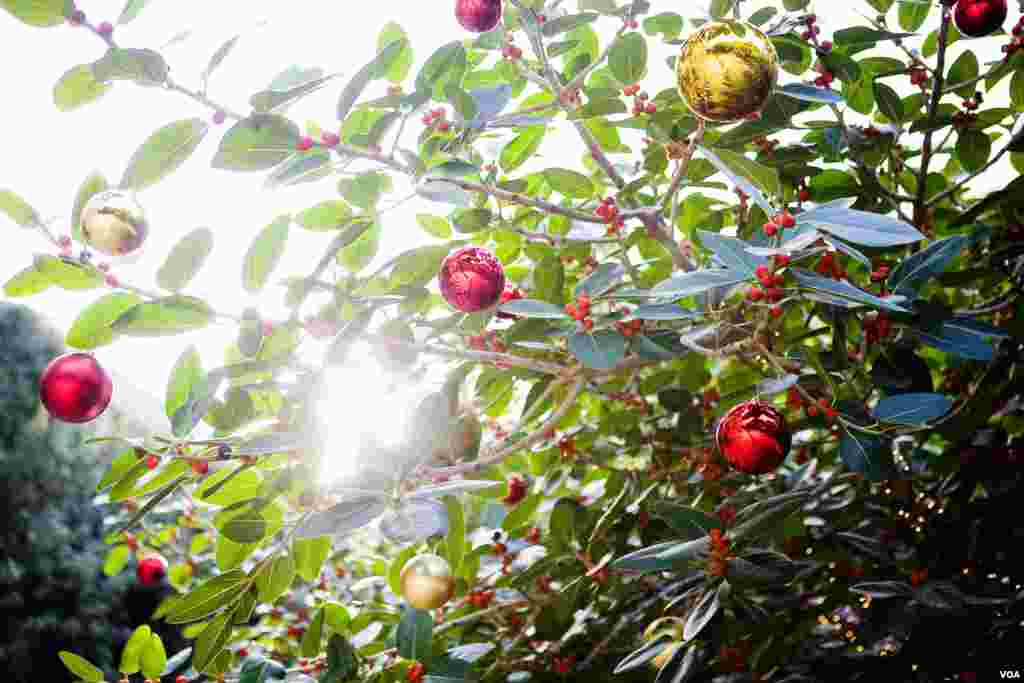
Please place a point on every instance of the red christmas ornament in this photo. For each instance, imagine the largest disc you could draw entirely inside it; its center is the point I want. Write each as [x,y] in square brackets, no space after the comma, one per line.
[753,437]
[478,16]
[978,18]
[471,279]
[151,569]
[75,388]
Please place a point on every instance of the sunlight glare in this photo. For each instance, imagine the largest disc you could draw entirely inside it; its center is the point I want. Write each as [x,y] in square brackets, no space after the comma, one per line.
[363,406]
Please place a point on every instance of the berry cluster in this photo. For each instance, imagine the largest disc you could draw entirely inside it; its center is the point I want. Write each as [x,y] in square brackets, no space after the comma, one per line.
[629,328]
[828,264]
[734,659]
[966,119]
[487,341]
[580,311]
[876,327]
[771,284]
[416,672]
[511,52]
[919,75]
[825,77]
[879,274]
[562,665]
[780,222]
[435,118]
[510,294]
[1016,40]
[517,490]
[641,100]
[721,553]
[803,191]
[610,213]
[811,22]
[480,599]
[796,401]
[765,145]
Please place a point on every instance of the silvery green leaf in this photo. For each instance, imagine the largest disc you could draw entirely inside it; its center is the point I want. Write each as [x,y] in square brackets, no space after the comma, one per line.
[443,191]
[451,488]
[342,519]
[415,521]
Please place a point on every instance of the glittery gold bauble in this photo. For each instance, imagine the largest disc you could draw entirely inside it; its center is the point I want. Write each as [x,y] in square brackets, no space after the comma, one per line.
[427,581]
[114,223]
[726,71]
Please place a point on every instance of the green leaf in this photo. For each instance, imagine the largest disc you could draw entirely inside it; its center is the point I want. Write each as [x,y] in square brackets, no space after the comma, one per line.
[365,189]
[913,272]
[668,24]
[737,165]
[185,260]
[685,519]
[435,226]
[154,658]
[257,143]
[26,282]
[468,221]
[131,10]
[336,618]
[310,555]
[965,68]
[342,664]
[522,514]
[212,640]
[167,316]
[91,186]
[732,252]
[185,388]
[209,597]
[218,57]
[889,102]
[81,667]
[18,209]
[327,215]
[277,100]
[256,669]
[362,251]
[399,65]
[264,254]
[515,153]
[914,410]
[78,87]
[455,542]
[565,23]
[912,14]
[247,526]
[68,274]
[131,656]
[38,13]
[446,65]
[569,183]
[973,149]
[842,293]
[532,308]
[145,67]
[627,58]
[92,328]
[415,633]
[314,636]
[375,68]
[163,152]
[276,578]
[565,516]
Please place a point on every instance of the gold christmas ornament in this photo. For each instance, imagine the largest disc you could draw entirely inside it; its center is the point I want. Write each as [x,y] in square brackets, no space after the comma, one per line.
[427,581]
[114,223]
[726,71]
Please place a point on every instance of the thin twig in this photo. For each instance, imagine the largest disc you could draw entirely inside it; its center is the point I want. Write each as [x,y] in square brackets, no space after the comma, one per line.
[933,107]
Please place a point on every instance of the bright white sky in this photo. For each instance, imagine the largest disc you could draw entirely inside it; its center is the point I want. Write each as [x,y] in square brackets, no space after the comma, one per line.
[47,153]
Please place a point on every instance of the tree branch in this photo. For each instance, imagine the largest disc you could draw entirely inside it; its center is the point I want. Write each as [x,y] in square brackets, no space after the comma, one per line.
[933,107]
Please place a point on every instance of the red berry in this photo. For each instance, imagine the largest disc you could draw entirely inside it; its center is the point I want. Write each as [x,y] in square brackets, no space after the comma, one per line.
[805,195]
[471,279]
[112,280]
[200,467]
[75,388]
[753,437]
[478,16]
[755,294]
[771,229]
[786,219]
[103,266]
[76,18]
[151,569]
[304,144]
[219,117]
[105,28]
[763,274]
[651,108]
[330,139]
[64,241]
[775,311]
[781,260]
[826,45]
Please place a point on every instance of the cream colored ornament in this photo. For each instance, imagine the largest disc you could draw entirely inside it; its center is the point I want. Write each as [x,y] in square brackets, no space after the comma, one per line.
[427,581]
[114,223]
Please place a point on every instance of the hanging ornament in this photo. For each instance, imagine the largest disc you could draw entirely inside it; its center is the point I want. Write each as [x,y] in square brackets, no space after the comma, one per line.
[977,18]
[471,279]
[427,581]
[726,71]
[478,16]
[75,388]
[114,223]
[754,437]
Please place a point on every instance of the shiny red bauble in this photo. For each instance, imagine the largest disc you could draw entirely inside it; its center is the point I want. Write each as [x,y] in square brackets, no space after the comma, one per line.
[754,437]
[151,570]
[978,18]
[471,279]
[478,16]
[75,388]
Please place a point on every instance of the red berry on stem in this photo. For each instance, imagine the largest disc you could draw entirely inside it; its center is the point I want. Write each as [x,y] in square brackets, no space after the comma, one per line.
[978,18]
[304,144]
[219,117]
[753,437]
[151,569]
[75,388]
[478,16]
[105,28]
[471,279]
